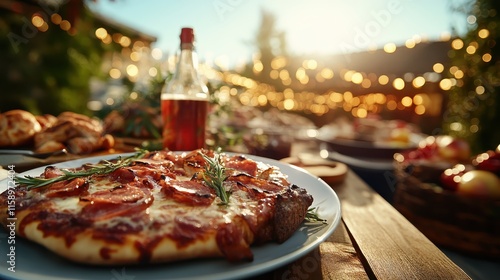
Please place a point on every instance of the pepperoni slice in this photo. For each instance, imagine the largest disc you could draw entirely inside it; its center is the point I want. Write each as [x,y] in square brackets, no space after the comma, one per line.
[119,201]
[51,172]
[119,194]
[253,183]
[162,155]
[155,172]
[192,193]
[122,175]
[75,187]
[141,174]
[242,164]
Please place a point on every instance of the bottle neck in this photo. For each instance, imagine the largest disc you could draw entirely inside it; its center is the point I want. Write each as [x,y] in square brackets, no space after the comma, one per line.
[186,81]
[187,46]
[187,61]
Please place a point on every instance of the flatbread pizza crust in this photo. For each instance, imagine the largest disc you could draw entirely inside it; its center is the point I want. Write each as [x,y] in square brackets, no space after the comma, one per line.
[159,209]
[89,250]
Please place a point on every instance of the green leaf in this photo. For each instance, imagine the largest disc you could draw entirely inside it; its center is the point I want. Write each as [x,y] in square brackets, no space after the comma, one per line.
[103,167]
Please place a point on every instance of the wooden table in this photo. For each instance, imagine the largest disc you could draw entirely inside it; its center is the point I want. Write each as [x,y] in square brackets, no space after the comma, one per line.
[373,241]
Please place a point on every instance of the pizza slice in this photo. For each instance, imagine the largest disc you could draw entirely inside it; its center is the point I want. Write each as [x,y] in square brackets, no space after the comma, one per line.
[157,206]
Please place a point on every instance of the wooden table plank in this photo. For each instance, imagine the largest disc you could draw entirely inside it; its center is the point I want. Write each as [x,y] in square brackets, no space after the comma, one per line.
[335,258]
[389,245]
[339,259]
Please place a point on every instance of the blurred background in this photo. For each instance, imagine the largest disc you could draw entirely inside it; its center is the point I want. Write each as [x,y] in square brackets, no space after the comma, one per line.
[433,64]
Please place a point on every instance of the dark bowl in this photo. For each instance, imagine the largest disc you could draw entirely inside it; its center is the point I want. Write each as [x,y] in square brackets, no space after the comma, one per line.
[364,149]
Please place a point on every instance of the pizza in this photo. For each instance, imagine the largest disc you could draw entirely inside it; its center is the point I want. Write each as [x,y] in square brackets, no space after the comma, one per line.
[157,206]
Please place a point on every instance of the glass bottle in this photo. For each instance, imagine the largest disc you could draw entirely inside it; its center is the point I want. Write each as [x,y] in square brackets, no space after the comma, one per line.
[184,101]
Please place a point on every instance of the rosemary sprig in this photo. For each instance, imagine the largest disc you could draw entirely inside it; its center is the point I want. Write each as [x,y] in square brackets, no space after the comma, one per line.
[215,175]
[313,217]
[104,167]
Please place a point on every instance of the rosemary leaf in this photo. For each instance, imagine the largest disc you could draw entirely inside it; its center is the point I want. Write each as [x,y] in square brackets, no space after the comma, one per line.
[215,175]
[313,217]
[104,167]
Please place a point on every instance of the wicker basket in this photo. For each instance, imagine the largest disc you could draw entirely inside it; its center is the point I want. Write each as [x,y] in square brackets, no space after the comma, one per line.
[468,225]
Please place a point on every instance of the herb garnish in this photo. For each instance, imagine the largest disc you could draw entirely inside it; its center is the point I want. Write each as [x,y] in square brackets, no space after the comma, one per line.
[103,167]
[215,175]
[312,216]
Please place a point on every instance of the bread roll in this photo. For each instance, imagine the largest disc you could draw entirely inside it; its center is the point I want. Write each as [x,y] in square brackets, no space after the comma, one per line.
[17,128]
[78,133]
[46,120]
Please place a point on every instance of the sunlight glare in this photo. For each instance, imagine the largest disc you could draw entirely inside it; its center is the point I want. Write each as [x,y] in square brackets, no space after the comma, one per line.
[321,31]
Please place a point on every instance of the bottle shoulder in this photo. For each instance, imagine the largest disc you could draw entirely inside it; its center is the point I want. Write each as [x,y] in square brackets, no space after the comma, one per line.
[193,89]
[186,85]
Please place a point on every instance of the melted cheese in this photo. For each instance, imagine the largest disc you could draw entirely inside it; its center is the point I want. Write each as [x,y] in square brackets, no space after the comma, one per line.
[101,185]
[69,204]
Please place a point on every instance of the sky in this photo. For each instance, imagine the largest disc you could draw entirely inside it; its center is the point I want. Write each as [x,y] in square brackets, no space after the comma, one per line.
[225,29]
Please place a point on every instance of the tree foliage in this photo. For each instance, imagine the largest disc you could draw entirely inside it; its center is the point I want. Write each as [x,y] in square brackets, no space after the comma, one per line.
[47,71]
[473,111]
[269,42]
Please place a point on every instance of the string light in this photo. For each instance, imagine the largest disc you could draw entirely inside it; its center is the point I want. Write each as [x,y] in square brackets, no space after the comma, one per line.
[390,48]
[359,106]
[254,93]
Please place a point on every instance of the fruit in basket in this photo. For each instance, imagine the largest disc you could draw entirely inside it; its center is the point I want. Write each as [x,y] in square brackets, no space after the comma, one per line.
[452,148]
[426,150]
[489,161]
[438,159]
[479,183]
[442,147]
[451,177]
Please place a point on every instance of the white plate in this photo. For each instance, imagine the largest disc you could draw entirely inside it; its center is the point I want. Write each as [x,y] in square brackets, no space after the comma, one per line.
[35,262]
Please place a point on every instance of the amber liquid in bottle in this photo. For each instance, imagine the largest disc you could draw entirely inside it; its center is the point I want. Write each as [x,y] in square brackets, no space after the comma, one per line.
[184,124]
[184,101]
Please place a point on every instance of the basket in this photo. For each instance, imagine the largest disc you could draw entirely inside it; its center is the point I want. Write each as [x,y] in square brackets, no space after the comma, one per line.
[467,225]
